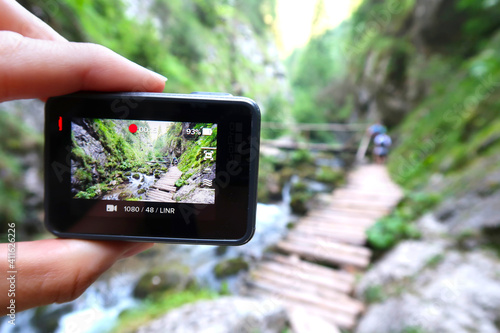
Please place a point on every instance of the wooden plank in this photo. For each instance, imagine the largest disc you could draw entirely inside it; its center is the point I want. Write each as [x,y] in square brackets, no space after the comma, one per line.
[289,297]
[367,193]
[325,281]
[367,204]
[355,212]
[327,272]
[291,304]
[159,195]
[322,253]
[343,302]
[166,188]
[354,239]
[337,246]
[331,225]
[331,230]
[328,215]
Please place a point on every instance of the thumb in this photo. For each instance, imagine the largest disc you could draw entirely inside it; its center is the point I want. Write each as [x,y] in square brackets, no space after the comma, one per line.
[58,270]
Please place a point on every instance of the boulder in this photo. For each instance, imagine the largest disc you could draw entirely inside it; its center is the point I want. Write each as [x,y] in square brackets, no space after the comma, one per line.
[458,293]
[162,279]
[230,267]
[224,315]
[404,262]
[471,212]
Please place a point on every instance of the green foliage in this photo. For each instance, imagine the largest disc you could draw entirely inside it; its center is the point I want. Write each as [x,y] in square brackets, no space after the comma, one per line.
[124,152]
[456,125]
[224,289]
[374,294]
[413,329]
[190,41]
[435,260]
[482,19]
[312,70]
[131,320]
[93,191]
[330,175]
[192,158]
[16,139]
[301,157]
[83,177]
[277,111]
[388,231]
[269,174]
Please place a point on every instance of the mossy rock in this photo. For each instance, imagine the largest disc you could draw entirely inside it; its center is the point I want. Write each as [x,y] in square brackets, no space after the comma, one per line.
[221,250]
[298,203]
[136,176]
[128,174]
[230,267]
[143,170]
[329,175]
[306,171]
[141,191]
[125,195]
[162,279]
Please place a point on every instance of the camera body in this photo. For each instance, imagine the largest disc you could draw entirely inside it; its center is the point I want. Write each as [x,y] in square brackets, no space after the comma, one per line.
[152,167]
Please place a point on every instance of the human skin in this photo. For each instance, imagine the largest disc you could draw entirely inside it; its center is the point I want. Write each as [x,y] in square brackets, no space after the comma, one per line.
[36,62]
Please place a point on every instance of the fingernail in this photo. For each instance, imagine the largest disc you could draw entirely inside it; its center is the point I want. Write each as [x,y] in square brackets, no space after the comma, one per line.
[161,77]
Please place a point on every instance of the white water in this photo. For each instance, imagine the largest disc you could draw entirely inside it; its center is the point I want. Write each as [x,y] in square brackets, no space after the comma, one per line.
[133,186]
[99,307]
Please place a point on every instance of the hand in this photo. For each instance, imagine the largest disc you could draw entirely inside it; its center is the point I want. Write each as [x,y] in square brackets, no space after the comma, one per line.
[36,62]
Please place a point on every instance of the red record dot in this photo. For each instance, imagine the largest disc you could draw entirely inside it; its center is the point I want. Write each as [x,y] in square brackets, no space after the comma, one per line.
[132,128]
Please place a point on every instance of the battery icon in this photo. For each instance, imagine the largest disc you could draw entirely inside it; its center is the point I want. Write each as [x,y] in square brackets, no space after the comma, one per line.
[111,208]
[206,131]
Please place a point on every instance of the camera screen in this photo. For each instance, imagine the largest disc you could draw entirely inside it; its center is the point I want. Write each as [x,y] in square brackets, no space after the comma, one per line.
[137,160]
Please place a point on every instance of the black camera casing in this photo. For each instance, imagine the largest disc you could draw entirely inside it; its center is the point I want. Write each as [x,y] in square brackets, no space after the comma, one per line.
[229,221]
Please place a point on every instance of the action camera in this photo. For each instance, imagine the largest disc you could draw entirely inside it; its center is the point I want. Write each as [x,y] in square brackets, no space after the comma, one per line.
[152,167]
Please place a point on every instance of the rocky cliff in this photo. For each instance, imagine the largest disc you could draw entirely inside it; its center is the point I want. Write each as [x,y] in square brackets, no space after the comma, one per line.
[430,71]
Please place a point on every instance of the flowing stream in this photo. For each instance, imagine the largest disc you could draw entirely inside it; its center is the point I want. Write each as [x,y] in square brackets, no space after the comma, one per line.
[136,182]
[98,308]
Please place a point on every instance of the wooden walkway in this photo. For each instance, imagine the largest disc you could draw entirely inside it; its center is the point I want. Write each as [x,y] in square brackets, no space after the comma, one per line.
[164,189]
[312,272]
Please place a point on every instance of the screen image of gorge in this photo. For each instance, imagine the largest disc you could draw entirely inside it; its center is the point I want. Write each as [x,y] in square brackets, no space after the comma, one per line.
[178,168]
[143,160]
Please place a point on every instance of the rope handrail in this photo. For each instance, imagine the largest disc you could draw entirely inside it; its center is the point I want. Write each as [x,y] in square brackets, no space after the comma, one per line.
[316,127]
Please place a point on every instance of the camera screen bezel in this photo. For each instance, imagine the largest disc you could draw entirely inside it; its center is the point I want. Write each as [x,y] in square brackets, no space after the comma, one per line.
[230,221]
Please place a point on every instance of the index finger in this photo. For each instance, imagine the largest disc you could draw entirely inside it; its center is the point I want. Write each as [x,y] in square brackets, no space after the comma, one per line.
[32,68]
[14,17]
